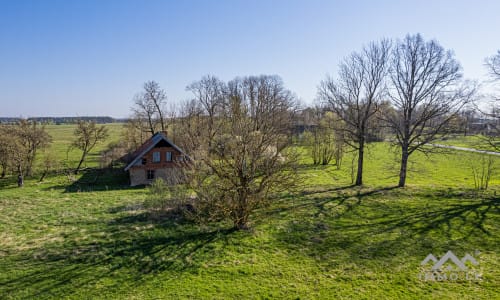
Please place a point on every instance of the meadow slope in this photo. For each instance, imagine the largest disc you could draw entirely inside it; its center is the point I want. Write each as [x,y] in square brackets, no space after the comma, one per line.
[75,240]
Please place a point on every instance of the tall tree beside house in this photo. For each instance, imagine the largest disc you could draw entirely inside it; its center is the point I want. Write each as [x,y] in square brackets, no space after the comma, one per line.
[135,133]
[427,91]
[355,95]
[208,101]
[150,108]
[247,156]
[87,136]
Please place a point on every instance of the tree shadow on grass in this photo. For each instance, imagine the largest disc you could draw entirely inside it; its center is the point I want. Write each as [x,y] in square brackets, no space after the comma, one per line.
[8,183]
[317,199]
[100,180]
[378,229]
[127,248]
[92,180]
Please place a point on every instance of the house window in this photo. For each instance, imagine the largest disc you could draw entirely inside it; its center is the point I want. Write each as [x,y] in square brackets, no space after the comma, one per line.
[180,158]
[169,156]
[144,161]
[150,174]
[156,157]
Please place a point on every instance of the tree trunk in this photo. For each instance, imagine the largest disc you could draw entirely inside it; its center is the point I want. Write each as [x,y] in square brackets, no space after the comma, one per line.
[361,151]
[81,162]
[20,179]
[241,218]
[28,171]
[43,176]
[151,127]
[160,114]
[404,164]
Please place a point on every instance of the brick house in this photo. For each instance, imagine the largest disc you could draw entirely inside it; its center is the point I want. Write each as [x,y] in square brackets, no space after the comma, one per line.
[158,157]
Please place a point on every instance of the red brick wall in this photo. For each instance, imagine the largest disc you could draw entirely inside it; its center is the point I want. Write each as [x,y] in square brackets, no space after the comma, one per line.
[150,165]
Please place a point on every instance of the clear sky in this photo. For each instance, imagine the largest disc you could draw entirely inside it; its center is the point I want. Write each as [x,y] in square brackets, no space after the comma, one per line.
[78,58]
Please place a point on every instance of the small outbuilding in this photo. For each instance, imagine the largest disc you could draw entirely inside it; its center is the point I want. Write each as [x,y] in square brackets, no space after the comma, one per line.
[158,157]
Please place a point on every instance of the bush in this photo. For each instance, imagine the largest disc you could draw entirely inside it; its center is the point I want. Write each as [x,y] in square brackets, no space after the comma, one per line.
[163,196]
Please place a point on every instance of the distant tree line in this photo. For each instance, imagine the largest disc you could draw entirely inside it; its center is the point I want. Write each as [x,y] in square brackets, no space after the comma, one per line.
[63,120]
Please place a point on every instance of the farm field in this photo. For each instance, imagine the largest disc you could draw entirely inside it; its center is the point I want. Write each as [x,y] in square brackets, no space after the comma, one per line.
[61,239]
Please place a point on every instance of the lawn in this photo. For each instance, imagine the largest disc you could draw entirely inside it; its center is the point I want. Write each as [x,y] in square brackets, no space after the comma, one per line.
[328,241]
[471,141]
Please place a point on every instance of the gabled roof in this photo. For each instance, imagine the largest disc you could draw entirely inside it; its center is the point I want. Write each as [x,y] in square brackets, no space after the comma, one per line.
[150,144]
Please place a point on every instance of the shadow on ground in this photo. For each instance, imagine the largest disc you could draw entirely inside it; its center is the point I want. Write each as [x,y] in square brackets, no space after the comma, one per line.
[96,179]
[351,227]
[99,180]
[130,246]
[340,227]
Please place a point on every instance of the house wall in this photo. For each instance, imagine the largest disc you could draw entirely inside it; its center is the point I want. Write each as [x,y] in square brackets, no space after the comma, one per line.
[168,171]
[163,163]
[169,175]
[137,176]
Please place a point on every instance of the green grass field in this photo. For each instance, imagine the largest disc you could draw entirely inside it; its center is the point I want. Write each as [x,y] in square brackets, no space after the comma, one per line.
[62,136]
[329,241]
[471,141]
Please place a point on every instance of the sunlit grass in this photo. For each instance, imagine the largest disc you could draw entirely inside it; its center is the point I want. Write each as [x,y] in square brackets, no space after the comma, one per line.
[62,137]
[81,240]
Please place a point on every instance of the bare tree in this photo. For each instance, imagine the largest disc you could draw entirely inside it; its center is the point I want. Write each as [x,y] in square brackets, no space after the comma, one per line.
[48,163]
[324,139]
[249,156]
[482,171]
[87,135]
[12,150]
[354,97]
[426,93]
[150,107]
[34,138]
[493,64]
[208,101]
[4,151]
[19,145]
[135,132]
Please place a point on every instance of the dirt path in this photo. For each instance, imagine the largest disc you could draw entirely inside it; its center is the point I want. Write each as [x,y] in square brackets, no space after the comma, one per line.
[465,149]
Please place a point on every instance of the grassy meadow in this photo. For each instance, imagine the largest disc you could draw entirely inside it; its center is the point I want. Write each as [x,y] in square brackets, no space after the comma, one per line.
[62,137]
[470,141]
[61,239]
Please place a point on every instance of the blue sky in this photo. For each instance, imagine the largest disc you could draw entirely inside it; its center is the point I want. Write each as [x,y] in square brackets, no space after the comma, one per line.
[77,58]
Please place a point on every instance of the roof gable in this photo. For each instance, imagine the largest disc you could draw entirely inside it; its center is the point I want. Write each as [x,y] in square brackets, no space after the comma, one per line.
[159,139]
